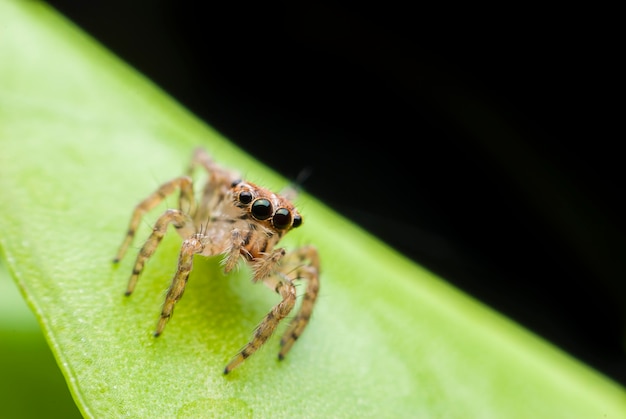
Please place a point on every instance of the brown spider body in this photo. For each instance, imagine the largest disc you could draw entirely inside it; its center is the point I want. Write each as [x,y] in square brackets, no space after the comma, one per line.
[238,220]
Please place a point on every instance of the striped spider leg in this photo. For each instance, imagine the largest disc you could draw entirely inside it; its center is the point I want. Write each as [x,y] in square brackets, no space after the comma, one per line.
[238,220]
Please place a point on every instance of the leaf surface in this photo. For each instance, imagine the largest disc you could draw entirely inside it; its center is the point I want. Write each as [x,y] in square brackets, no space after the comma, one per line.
[84,138]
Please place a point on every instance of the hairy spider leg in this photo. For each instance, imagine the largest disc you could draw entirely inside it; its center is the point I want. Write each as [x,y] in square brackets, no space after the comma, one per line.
[180,220]
[263,267]
[310,273]
[287,290]
[215,189]
[191,246]
[277,277]
[186,201]
[201,158]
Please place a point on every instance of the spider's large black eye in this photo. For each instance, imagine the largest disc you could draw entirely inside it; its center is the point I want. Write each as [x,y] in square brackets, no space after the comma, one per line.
[261,209]
[297,221]
[282,218]
[245,197]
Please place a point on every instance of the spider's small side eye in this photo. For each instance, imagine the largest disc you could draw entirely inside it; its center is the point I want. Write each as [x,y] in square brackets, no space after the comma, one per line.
[297,221]
[245,197]
[261,209]
[235,183]
[282,218]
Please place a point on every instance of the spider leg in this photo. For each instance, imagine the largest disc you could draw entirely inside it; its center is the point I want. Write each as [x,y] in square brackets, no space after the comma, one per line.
[186,202]
[216,188]
[287,291]
[201,158]
[172,216]
[310,273]
[263,267]
[232,254]
[189,248]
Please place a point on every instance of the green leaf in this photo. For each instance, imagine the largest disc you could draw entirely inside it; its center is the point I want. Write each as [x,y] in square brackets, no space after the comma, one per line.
[83,138]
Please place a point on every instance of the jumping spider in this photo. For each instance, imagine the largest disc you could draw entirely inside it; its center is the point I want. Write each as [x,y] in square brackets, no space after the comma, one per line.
[238,220]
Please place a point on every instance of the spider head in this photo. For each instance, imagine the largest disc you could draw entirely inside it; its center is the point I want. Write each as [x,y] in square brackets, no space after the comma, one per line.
[265,207]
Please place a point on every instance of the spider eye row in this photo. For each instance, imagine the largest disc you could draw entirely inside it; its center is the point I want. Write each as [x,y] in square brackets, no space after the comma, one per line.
[261,209]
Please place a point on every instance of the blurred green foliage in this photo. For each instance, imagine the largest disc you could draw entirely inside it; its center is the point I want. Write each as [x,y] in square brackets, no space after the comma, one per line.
[31,384]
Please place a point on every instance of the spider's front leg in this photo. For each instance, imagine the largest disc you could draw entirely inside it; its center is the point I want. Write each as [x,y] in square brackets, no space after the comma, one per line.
[287,291]
[302,263]
[191,246]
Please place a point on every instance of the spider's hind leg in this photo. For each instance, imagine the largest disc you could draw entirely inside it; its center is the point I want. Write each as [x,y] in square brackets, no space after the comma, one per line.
[216,187]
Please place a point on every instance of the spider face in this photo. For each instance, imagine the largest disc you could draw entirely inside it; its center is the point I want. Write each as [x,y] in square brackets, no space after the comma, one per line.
[261,205]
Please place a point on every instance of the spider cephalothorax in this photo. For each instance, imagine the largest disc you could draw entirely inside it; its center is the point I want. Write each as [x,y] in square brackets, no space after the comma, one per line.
[238,220]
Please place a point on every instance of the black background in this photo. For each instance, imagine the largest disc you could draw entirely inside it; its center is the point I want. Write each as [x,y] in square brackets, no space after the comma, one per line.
[484,144]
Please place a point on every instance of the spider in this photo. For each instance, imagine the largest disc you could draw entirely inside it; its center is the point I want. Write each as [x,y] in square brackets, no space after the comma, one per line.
[237,220]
